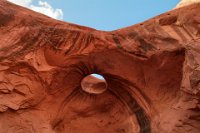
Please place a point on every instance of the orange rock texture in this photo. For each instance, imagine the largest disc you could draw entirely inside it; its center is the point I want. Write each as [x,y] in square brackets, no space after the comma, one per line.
[152,73]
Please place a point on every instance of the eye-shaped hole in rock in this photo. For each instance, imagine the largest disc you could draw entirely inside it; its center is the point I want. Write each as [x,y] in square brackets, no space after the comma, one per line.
[94,84]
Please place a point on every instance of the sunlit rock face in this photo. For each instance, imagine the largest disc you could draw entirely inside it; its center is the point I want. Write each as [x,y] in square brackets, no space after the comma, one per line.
[151,74]
[183,3]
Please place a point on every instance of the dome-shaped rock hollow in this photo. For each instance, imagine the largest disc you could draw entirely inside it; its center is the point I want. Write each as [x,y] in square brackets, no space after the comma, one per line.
[94,84]
[151,74]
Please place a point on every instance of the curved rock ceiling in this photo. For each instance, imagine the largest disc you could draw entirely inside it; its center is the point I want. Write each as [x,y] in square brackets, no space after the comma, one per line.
[151,70]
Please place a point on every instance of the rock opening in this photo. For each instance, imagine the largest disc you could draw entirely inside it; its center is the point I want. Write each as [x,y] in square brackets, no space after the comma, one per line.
[94,84]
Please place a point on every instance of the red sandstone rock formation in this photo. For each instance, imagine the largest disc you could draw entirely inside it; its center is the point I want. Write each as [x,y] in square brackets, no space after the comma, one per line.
[151,69]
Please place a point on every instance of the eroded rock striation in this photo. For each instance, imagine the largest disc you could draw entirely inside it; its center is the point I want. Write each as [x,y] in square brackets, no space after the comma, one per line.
[152,73]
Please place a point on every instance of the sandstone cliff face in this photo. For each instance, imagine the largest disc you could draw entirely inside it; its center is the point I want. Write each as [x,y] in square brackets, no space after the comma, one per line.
[183,3]
[152,72]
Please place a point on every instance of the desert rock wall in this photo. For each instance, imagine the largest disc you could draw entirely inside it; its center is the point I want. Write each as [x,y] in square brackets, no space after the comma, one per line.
[151,69]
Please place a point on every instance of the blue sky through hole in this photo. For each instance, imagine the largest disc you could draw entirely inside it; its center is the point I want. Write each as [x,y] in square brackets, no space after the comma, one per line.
[98,76]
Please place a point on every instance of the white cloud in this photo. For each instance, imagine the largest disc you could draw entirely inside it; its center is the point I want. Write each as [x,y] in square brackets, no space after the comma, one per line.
[42,7]
[47,9]
[24,3]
